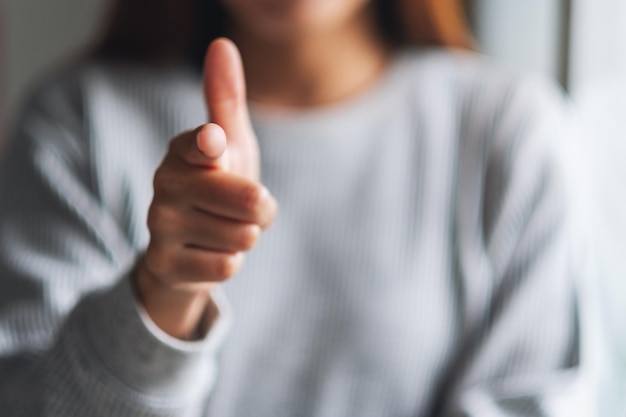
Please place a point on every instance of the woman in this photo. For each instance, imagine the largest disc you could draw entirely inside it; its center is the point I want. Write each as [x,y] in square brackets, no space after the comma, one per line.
[420,264]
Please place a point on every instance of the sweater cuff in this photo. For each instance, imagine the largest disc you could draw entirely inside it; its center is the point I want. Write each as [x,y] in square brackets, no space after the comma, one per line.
[140,355]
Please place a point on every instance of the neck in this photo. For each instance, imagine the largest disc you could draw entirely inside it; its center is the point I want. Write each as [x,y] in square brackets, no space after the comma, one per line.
[313,70]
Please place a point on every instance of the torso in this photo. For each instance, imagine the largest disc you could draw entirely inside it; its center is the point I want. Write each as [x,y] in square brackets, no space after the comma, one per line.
[356,301]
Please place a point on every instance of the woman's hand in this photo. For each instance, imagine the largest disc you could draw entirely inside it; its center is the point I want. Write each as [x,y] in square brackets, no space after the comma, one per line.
[208,205]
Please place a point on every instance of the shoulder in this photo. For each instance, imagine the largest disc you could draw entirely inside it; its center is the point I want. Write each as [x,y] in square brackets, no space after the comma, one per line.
[480,84]
[74,87]
[489,106]
[52,117]
[56,108]
[514,132]
[488,101]
[57,96]
[494,110]
[56,118]
[81,103]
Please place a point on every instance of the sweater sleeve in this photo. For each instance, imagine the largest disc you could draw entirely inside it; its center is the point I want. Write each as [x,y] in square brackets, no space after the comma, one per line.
[524,357]
[73,339]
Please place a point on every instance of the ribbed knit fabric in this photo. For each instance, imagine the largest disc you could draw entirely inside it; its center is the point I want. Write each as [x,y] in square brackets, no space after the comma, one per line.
[420,265]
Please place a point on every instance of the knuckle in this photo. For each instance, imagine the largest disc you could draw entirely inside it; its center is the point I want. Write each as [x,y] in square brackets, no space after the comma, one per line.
[154,218]
[180,146]
[160,181]
[247,237]
[226,266]
[253,198]
[180,140]
[160,219]
[158,260]
[271,215]
[167,183]
[173,145]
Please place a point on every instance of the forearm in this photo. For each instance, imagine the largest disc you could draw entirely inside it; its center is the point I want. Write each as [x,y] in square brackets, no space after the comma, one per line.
[108,359]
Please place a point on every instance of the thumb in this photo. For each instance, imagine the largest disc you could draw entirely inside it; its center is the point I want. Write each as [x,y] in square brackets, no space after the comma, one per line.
[225,91]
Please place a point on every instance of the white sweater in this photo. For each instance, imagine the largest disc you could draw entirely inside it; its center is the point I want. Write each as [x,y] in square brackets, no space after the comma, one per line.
[421,263]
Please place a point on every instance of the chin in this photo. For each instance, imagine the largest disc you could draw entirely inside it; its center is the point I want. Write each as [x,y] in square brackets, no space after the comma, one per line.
[286,20]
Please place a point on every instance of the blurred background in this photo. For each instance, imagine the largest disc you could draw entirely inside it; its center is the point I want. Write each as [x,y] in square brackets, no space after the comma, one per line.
[579,43]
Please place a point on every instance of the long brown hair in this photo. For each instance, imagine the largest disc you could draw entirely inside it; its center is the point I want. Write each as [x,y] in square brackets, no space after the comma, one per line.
[153,30]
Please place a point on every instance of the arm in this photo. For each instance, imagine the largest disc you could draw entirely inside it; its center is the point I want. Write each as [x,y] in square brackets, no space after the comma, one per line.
[524,359]
[73,339]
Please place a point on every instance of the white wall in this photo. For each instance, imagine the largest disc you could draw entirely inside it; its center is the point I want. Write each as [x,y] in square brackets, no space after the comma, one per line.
[599,39]
[598,86]
[40,34]
[521,33]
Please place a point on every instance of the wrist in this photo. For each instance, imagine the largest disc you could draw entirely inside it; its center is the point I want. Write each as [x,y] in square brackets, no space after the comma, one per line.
[186,314]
